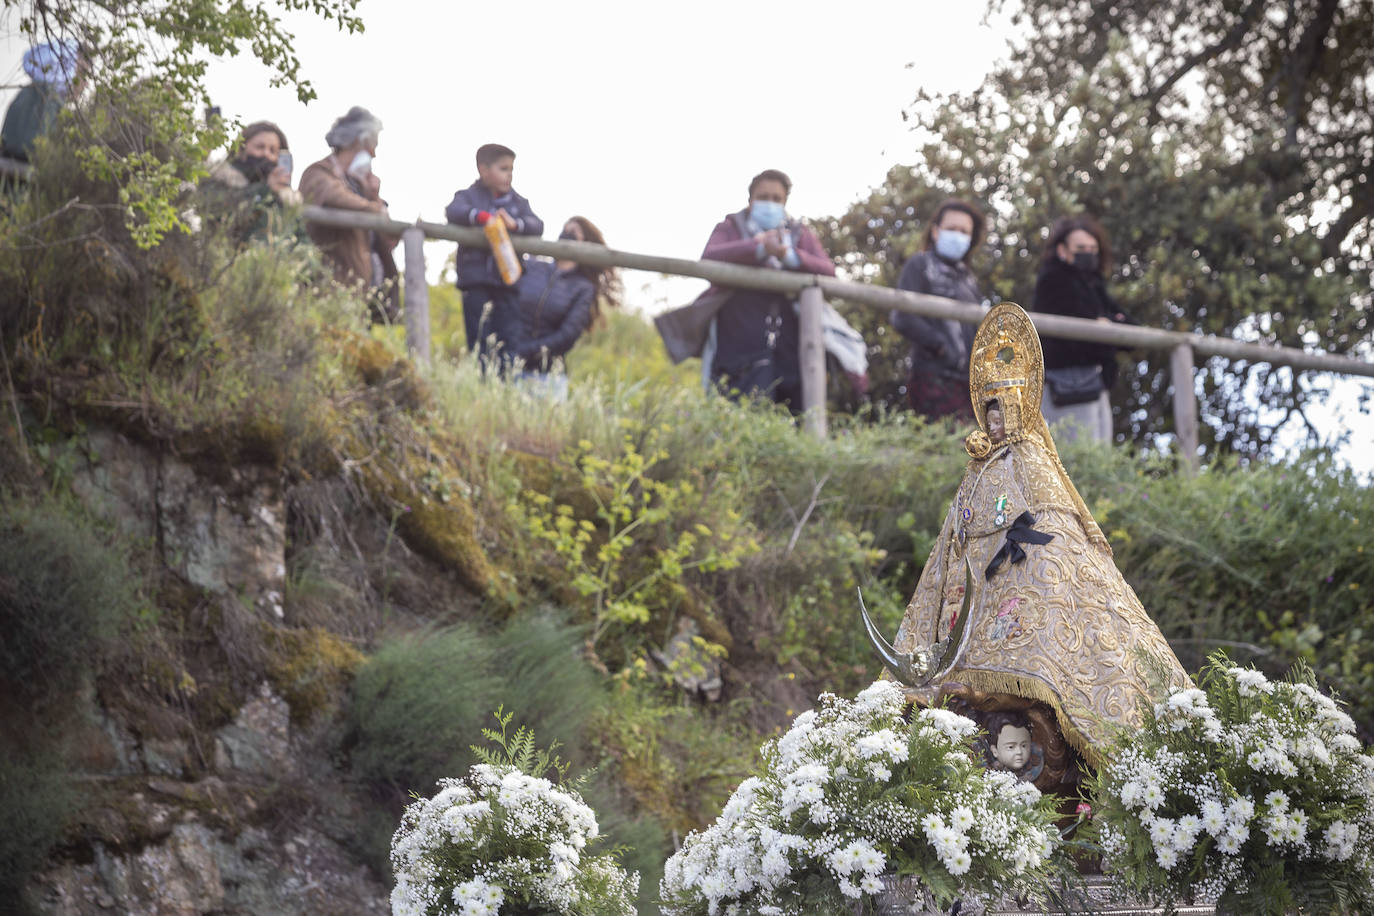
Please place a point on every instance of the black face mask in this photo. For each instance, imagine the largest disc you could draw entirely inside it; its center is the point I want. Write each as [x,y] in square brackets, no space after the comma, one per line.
[256,168]
[567,236]
[1085,260]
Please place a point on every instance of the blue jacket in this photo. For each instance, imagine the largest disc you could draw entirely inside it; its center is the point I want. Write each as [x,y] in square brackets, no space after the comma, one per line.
[476,267]
[555,308]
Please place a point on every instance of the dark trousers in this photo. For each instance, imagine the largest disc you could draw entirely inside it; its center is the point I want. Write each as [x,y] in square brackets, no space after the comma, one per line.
[767,376]
[487,313]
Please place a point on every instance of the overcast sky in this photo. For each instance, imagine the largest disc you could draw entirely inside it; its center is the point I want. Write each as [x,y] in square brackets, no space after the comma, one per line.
[646,118]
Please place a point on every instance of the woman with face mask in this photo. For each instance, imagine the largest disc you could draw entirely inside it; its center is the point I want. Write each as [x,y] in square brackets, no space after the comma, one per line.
[248,190]
[344,180]
[558,301]
[752,346]
[938,376]
[1079,374]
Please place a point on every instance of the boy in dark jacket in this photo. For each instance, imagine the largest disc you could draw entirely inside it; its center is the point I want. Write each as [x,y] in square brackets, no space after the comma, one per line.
[488,303]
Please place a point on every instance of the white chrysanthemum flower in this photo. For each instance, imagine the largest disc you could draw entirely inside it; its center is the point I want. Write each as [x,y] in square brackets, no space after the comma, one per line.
[1228,844]
[1240,811]
[1213,817]
[959,863]
[1162,832]
[953,726]
[1250,682]
[1186,833]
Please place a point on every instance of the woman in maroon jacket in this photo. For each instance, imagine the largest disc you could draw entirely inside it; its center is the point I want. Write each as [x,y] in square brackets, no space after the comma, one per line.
[754,343]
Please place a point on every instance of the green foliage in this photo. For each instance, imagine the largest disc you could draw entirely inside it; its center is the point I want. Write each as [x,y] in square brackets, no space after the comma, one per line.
[151,56]
[518,750]
[626,350]
[219,348]
[1225,147]
[418,701]
[38,800]
[631,559]
[65,600]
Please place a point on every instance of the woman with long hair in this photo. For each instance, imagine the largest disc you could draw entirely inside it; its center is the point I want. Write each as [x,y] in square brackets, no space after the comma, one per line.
[248,191]
[1079,374]
[558,301]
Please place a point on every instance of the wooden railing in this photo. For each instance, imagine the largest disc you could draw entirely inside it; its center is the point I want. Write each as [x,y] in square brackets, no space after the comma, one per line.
[811,291]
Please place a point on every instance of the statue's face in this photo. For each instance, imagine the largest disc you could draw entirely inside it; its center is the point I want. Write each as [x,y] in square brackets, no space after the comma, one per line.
[1013,747]
[997,429]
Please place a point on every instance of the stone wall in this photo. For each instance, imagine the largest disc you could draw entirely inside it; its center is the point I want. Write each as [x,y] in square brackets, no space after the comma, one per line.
[180,824]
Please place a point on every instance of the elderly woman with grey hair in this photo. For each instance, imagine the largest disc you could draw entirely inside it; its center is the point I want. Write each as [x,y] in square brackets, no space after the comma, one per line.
[344,180]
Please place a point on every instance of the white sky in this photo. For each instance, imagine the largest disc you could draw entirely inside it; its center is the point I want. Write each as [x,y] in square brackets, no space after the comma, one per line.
[647,118]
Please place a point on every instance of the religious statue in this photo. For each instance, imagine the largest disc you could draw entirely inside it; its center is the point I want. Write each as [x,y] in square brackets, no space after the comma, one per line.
[1020,607]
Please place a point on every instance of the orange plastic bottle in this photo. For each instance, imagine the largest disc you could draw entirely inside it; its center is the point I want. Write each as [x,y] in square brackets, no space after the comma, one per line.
[507,261]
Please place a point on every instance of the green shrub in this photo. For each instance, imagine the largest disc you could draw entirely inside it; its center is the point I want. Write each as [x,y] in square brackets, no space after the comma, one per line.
[858,509]
[38,801]
[65,599]
[422,699]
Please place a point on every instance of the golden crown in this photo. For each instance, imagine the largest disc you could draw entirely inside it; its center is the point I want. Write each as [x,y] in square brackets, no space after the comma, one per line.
[1006,364]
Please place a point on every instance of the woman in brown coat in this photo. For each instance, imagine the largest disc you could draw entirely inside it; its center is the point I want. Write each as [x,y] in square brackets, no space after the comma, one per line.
[344,180]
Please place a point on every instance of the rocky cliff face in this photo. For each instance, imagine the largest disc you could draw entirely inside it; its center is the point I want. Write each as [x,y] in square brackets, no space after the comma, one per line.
[183,812]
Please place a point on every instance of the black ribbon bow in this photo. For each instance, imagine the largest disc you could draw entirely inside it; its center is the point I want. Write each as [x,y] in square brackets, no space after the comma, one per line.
[1019,533]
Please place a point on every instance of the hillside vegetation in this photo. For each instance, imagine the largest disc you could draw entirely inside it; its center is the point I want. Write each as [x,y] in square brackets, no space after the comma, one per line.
[453,544]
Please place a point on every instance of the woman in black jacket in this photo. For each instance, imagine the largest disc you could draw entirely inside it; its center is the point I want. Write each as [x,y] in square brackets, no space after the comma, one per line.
[937,384]
[1078,373]
[558,301]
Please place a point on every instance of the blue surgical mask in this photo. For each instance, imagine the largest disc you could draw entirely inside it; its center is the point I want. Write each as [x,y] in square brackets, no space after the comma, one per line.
[952,245]
[766,214]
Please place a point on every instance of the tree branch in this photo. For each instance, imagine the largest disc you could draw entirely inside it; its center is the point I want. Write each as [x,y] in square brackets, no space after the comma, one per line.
[1361,208]
[811,507]
[1301,66]
[1233,37]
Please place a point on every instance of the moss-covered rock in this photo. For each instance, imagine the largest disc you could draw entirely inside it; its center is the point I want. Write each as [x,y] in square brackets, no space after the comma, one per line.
[311,669]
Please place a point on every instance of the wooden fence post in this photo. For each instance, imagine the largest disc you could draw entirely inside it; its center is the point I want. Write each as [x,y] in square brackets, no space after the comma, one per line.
[1185,403]
[417,294]
[812,334]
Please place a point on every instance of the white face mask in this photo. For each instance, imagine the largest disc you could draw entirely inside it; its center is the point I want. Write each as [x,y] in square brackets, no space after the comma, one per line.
[361,164]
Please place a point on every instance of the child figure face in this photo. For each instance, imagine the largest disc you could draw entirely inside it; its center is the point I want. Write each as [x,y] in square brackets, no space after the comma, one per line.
[497,175]
[1013,747]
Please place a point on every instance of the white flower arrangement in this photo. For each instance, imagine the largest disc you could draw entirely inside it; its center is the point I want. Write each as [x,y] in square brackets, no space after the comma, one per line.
[1248,793]
[504,840]
[850,793]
